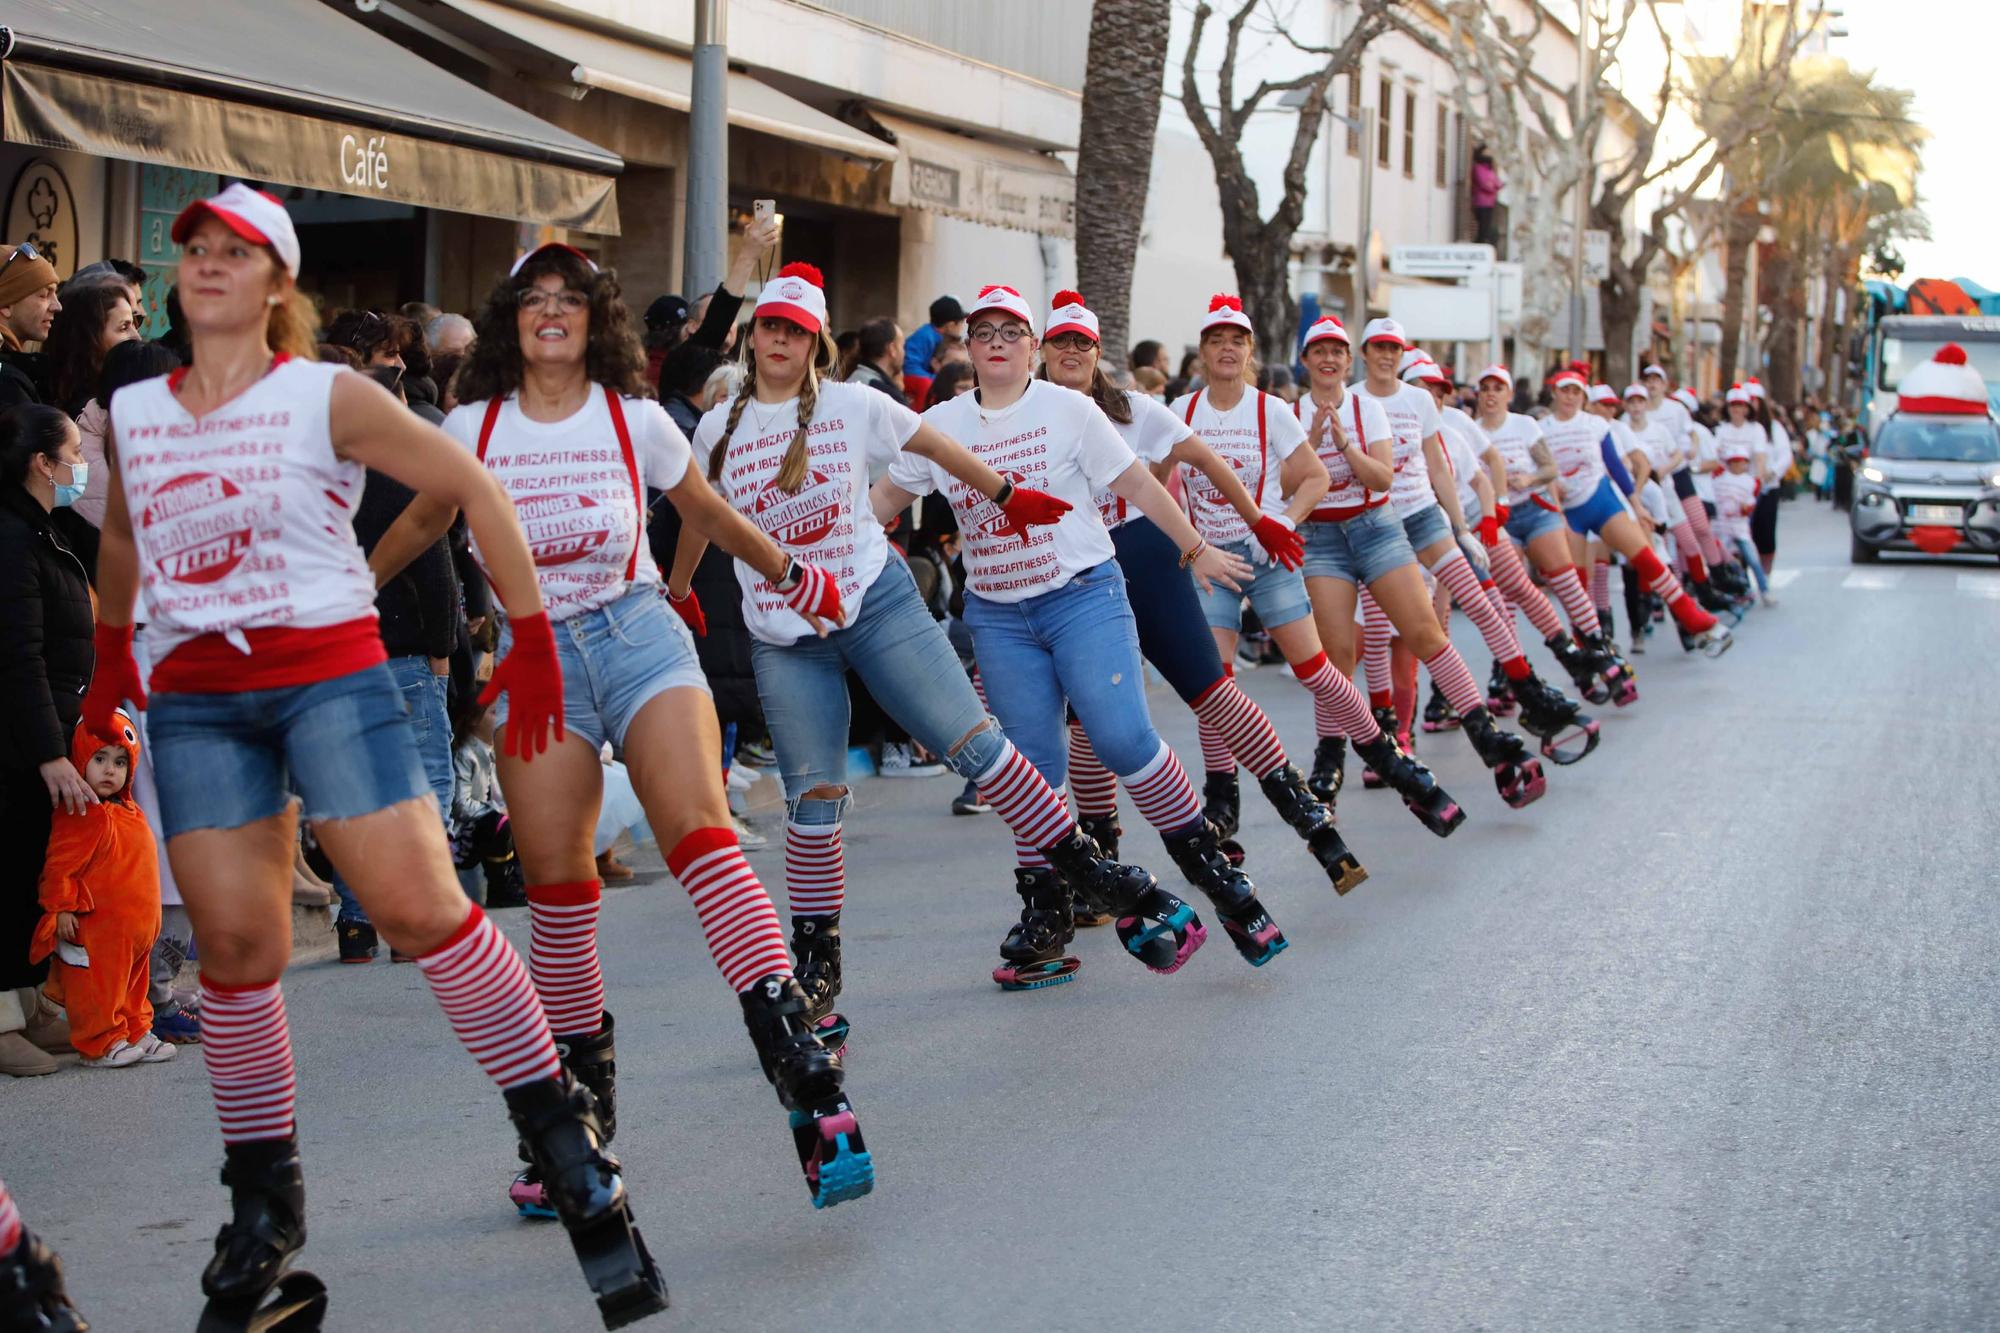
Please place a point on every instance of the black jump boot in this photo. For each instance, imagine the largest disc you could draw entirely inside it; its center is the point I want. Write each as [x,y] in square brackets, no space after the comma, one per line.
[1582,665]
[1032,956]
[1198,853]
[816,944]
[32,1296]
[1517,776]
[1285,788]
[1566,734]
[592,1059]
[1621,683]
[1430,803]
[1104,831]
[1385,718]
[1222,806]
[1329,768]
[1499,693]
[1439,715]
[808,1078]
[250,1284]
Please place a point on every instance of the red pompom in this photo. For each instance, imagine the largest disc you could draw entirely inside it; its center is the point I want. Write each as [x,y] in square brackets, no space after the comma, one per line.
[806,271]
[1581,367]
[993,287]
[1224,301]
[1951,354]
[1066,297]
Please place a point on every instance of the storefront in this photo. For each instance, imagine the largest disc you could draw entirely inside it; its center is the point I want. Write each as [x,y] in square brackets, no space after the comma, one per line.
[113,120]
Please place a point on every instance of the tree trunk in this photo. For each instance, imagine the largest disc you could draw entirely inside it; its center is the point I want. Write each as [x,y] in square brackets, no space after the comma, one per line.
[1618,311]
[1263,263]
[1123,77]
[1739,234]
[1787,316]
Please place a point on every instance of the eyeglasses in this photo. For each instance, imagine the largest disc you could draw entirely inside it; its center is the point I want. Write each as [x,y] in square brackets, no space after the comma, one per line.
[537,299]
[24,248]
[1007,333]
[1072,342]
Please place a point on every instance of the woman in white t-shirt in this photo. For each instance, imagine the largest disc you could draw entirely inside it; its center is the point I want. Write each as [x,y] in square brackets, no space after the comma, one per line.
[552,403]
[1173,634]
[793,453]
[1050,623]
[233,487]
[1772,466]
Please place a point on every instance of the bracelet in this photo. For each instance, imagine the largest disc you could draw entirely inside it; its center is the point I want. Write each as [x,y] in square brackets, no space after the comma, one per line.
[1004,494]
[790,579]
[1193,553]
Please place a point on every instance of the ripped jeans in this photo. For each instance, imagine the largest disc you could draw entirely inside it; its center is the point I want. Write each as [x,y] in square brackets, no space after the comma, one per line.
[902,654]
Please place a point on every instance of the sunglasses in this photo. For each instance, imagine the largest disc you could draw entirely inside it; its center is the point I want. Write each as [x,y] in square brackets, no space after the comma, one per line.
[24,248]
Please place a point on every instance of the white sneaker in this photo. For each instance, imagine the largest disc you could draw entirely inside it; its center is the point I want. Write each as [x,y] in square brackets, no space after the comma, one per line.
[898,762]
[747,836]
[153,1051]
[1768,598]
[741,778]
[120,1055]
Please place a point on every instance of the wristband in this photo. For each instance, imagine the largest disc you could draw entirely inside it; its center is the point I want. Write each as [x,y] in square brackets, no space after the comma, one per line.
[790,578]
[1004,494]
[1193,553]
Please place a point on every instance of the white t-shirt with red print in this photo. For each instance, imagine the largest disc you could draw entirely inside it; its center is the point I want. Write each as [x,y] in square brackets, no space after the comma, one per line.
[1706,460]
[855,431]
[1151,435]
[579,490]
[1254,437]
[1363,420]
[1735,499]
[1413,416]
[243,519]
[1515,439]
[1050,439]
[1577,445]
[1463,444]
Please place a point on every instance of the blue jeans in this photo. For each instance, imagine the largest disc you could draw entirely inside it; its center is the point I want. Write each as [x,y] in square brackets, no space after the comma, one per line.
[226,760]
[424,694]
[910,668]
[1427,527]
[1079,642]
[1167,609]
[1528,520]
[1746,550]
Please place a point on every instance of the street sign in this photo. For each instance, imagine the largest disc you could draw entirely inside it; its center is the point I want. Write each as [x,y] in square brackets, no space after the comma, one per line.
[1440,261]
[1443,314]
[1596,255]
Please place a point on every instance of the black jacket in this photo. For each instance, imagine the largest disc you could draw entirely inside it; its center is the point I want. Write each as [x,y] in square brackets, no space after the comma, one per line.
[419,608]
[21,381]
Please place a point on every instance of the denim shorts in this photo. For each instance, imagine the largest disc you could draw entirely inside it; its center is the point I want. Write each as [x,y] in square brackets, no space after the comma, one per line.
[1357,550]
[1427,527]
[1277,594]
[1603,505]
[615,660]
[225,760]
[1529,520]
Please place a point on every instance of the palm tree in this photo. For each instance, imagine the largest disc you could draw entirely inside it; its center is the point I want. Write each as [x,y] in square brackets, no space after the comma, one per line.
[1123,77]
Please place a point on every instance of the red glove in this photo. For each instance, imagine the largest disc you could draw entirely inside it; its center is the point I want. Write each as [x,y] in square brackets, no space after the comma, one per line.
[532,680]
[1026,508]
[1489,530]
[1502,513]
[814,594]
[115,679]
[688,608]
[1282,540]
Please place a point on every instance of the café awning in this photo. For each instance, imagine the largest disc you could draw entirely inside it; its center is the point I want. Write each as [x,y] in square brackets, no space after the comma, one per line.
[291,92]
[979,180]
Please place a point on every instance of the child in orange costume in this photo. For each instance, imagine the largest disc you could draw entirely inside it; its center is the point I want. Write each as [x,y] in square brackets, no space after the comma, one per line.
[101,893]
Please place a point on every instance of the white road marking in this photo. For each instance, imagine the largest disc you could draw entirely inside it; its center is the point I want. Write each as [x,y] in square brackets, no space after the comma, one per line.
[1782,579]
[1980,585]
[1872,580]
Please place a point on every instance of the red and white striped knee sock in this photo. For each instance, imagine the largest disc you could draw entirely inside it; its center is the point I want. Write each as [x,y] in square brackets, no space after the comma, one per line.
[1600,586]
[1449,674]
[1686,611]
[1090,782]
[10,1222]
[1376,631]
[1035,811]
[1441,598]
[815,869]
[1241,727]
[562,954]
[247,1046]
[1697,517]
[1575,596]
[484,991]
[1338,708]
[1688,547]
[979,688]
[1456,573]
[1161,790]
[1512,576]
[736,914]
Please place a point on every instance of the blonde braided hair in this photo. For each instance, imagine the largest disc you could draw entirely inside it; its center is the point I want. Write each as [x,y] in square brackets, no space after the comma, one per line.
[792,471]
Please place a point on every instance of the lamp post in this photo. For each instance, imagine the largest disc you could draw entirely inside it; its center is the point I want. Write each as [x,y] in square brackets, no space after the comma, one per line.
[1583,80]
[705,246]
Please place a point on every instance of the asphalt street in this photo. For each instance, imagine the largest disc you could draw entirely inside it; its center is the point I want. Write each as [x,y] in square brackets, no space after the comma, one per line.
[1705,1039]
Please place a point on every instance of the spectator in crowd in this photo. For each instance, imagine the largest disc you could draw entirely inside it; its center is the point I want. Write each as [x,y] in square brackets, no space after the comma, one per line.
[665,327]
[683,385]
[448,333]
[419,313]
[377,339]
[1189,377]
[1152,355]
[45,665]
[1151,381]
[947,321]
[126,362]
[93,321]
[950,381]
[916,388]
[878,359]
[1486,185]
[28,308]
[713,315]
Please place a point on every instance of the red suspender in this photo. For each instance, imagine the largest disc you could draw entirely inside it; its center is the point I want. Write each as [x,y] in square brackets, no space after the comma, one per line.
[1262,399]
[632,471]
[1194,401]
[486,427]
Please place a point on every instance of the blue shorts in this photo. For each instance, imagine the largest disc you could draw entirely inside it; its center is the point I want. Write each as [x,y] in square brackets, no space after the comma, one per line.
[1603,505]
[615,660]
[1427,527]
[1357,550]
[1529,520]
[1277,594]
[225,760]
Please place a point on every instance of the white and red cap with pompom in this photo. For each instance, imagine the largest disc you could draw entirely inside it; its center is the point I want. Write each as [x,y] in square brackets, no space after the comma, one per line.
[798,293]
[1324,328]
[1637,391]
[1570,377]
[1418,368]
[1006,300]
[1685,397]
[1603,393]
[1737,394]
[1945,383]
[1068,314]
[1226,311]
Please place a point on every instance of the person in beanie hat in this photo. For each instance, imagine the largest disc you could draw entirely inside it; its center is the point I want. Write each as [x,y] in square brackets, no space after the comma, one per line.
[947,320]
[28,308]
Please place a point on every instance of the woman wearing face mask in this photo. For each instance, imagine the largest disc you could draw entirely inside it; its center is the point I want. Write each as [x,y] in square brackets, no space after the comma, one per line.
[792,452]
[1169,616]
[553,407]
[1051,622]
[1353,542]
[1426,508]
[231,493]
[1591,508]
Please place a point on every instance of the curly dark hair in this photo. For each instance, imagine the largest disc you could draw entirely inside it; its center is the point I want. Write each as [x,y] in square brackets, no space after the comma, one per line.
[612,357]
[73,350]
